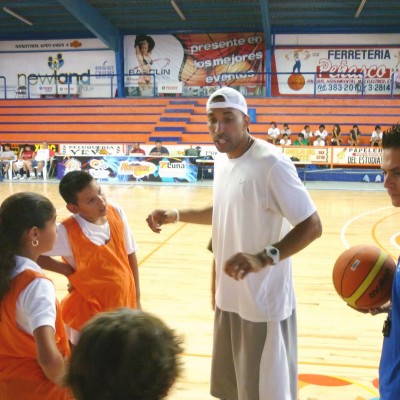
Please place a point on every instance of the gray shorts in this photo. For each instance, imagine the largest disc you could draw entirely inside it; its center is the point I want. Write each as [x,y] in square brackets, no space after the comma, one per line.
[254,360]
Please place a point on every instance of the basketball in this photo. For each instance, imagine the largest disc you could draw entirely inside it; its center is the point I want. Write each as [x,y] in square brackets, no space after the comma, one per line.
[296,81]
[363,276]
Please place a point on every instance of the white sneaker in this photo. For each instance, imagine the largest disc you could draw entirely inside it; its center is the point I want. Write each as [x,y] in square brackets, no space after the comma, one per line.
[32,177]
[22,177]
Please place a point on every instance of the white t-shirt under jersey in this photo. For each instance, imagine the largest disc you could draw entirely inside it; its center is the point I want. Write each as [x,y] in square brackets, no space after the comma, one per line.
[98,234]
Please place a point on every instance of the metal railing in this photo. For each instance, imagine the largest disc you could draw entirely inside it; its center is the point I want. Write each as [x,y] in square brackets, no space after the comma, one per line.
[250,84]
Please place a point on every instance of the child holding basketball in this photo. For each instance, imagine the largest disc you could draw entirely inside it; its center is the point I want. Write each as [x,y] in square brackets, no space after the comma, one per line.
[34,344]
[99,253]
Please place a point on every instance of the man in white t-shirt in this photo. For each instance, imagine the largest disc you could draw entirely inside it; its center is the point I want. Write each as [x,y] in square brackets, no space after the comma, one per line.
[258,223]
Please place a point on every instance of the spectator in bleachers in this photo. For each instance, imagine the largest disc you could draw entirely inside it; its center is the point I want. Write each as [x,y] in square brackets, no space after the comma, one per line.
[5,157]
[301,140]
[25,154]
[285,141]
[286,131]
[307,133]
[273,134]
[376,137]
[354,139]
[136,149]
[318,140]
[159,149]
[336,135]
[43,155]
[322,132]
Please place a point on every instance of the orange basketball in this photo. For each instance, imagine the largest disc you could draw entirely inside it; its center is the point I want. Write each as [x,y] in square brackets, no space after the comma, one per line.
[363,276]
[296,81]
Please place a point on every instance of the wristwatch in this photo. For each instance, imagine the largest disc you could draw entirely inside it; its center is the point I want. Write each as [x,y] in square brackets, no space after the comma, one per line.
[273,253]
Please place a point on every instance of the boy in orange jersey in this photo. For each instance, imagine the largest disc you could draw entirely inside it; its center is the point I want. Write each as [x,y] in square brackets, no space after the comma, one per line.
[99,253]
[33,345]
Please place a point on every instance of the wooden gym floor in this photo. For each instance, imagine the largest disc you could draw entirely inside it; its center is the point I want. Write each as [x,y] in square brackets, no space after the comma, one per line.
[339,349]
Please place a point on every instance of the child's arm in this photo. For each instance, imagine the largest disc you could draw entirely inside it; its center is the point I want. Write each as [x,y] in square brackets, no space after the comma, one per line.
[135,271]
[50,264]
[48,356]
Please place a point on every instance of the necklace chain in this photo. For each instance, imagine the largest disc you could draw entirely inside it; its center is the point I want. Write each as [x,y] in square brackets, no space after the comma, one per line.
[249,143]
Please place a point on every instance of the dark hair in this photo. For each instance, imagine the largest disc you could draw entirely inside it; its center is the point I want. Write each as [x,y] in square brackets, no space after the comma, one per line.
[391,137]
[322,126]
[145,38]
[124,354]
[19,213]
[377,127]
[72,183]
[7,145]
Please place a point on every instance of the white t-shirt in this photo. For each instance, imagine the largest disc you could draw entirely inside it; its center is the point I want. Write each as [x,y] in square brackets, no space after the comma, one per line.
[36,305]
[273,132]
[285,142]
[319,142]
[323,134]
[376,135]
[256,199]
[42,155]
[98,234]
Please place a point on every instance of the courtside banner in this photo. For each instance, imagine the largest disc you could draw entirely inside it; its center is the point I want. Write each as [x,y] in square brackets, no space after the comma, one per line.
[196,60]
[336,70]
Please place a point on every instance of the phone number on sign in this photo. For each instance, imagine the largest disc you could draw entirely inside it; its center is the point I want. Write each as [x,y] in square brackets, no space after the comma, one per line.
[351,87]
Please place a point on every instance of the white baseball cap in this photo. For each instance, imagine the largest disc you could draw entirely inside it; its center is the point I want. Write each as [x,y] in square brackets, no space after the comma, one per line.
[233,99]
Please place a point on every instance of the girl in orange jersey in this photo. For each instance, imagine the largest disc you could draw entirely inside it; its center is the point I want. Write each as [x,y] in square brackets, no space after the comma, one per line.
[33,345]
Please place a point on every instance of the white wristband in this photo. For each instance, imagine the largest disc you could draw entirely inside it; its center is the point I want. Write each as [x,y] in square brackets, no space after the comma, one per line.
[175,210]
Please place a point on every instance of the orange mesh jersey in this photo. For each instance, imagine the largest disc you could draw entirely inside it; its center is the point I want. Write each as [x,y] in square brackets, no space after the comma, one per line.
[103,280]
[21,376]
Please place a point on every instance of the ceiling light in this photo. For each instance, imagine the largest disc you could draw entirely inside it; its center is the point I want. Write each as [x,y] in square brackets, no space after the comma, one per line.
[178,10]
[20,17]
[360,7]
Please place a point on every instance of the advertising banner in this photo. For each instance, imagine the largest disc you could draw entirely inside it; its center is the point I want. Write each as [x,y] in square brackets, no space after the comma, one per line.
[362,156]
[132,168]
[196,60]
[336,70]
[42,64]
[314,155]
[76,149]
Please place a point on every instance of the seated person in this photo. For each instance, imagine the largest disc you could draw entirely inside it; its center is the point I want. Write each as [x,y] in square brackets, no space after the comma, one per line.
[301,140]
[273,134]
[285,141]
[159,150]
[322,132]
[25,154]
[318,140]
[43,155]
[124,354]
[136,149]
[376,137]
[307,132]
[6,156]
[354,139]
[286,130]
[336,136]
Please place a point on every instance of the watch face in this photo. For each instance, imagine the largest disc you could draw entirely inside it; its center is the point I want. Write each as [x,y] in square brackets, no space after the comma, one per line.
[273,252]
